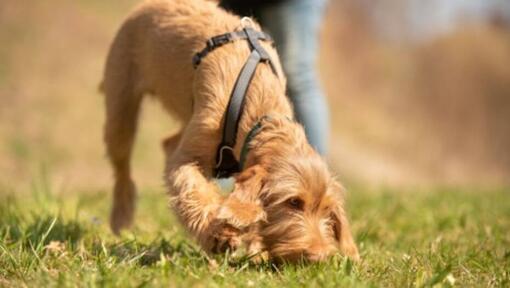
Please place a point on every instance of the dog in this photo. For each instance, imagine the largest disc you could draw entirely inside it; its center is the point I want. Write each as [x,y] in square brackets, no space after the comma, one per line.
[285,201]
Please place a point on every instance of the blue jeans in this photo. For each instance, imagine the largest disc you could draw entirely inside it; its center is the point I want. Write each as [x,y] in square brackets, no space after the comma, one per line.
[294,26]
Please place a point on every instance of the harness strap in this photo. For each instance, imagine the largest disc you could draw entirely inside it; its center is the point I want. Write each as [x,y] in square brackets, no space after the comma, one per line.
[253,37]
[237,99]
[226,162]
[220,40]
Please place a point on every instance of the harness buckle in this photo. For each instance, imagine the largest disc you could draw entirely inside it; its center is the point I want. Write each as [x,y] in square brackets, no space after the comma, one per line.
[210,44]
[219,40]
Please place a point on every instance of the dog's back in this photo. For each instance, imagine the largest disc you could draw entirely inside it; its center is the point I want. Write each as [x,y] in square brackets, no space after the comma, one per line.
[153,49]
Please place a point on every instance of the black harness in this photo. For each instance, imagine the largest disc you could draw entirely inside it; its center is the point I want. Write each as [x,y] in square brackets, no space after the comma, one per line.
[226,163]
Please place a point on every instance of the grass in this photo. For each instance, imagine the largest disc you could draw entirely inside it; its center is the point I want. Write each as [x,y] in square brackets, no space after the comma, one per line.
[54,230]
[443,237]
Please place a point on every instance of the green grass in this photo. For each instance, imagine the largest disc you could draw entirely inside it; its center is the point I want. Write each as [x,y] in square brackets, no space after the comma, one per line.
[52,233]
[442,237]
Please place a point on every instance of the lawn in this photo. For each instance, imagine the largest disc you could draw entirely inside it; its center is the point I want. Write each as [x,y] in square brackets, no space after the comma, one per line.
[446,237]
[54,178]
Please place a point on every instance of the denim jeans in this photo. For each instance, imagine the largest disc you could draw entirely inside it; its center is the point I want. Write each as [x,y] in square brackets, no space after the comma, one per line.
[294,26]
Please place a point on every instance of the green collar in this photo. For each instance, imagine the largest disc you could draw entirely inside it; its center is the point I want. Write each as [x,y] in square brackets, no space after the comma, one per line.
[246,145]
[251,134]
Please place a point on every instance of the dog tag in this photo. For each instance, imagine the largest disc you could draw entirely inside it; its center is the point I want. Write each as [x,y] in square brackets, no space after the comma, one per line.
[226,185]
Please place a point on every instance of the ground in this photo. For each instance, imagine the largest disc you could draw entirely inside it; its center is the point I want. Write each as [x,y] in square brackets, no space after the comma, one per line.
[55,181]
[449,237]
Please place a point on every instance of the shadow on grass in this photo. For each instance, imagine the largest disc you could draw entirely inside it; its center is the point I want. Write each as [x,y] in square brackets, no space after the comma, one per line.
[145,254]
[41,231]
[35,228]
[48,229]
[184,254]
[180,253]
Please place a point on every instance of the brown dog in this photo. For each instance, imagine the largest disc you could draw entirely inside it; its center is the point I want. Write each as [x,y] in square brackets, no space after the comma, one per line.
[285,201]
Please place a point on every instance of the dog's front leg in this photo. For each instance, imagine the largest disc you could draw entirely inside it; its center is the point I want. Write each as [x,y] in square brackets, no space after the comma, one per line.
[197,201]
[243,210]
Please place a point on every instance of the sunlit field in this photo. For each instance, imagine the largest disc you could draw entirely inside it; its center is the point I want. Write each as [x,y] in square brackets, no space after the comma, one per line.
[425,164]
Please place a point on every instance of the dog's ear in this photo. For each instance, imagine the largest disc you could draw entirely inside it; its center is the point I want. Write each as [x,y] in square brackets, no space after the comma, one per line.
[242,207]
[342,232]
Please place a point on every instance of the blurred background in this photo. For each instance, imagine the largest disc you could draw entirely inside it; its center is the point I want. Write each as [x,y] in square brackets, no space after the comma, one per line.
[419,93]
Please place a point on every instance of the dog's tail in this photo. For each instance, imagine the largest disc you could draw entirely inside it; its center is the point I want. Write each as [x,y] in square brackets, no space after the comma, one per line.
[122,109]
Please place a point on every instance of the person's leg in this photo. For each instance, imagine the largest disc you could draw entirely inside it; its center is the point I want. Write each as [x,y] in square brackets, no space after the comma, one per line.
[295,25]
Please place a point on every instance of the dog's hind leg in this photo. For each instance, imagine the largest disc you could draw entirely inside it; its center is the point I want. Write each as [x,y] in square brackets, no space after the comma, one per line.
[122,109]
[170,143]
[120,129]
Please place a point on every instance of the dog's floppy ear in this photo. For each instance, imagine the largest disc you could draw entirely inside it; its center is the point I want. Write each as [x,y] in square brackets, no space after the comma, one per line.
[242,207]
[343,234]
[342,231]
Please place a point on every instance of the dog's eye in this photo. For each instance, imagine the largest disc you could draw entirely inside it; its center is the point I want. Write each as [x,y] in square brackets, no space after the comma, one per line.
[296,203]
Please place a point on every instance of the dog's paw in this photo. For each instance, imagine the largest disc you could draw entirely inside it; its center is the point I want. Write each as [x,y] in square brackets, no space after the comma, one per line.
[225,237]
[123,209]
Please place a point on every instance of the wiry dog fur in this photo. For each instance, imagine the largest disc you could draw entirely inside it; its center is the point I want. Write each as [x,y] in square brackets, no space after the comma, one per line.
[284,202]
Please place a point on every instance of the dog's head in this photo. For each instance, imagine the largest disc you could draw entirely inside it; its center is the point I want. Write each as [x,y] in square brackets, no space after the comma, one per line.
[303,209]
[305,214]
